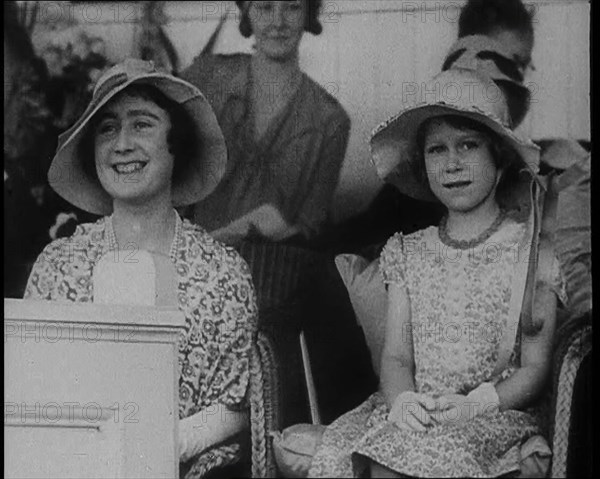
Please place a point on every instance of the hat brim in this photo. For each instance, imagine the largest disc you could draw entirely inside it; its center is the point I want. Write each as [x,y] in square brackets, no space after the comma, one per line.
[393,146]
[70,180]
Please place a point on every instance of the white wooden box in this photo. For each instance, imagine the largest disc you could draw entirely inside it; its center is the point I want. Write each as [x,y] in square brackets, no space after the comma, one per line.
[90,391]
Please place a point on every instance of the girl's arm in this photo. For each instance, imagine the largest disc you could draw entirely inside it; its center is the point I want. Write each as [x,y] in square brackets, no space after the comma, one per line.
[409,410]
[522,388]
[397,362]
[525,384]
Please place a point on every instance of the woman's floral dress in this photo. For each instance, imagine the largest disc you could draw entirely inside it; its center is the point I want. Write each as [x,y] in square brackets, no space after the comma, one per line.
[459,308]
[215,293]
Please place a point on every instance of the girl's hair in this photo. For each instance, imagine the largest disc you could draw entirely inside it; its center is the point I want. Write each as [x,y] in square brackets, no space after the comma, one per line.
[182,139]
[504,155]
[483,17]
[311,23]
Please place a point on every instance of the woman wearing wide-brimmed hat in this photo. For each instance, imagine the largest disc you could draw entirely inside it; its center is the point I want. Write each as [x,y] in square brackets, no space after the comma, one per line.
[464,358]
[149,142]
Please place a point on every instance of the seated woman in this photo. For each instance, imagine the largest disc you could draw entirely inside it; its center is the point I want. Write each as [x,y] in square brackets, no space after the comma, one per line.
[146,143]
[286,135]
[463,360]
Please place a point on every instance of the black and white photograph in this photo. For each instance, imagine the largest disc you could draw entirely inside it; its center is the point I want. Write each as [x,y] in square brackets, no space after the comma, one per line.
[300,238]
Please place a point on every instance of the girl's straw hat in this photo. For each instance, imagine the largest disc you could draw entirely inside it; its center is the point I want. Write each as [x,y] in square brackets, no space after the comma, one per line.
[68,177]
[456,91]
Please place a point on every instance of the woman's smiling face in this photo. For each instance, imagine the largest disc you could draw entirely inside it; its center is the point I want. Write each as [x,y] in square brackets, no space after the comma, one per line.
[460,166]
[278,27]
[132,154]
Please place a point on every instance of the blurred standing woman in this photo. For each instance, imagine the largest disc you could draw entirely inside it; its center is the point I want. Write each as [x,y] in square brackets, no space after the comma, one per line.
[286,136]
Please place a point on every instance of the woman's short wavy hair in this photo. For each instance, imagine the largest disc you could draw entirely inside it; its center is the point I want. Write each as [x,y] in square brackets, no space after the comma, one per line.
[311,23]
[484,17]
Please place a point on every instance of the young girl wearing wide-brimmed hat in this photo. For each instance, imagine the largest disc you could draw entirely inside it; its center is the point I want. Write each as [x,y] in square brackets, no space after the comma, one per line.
[465,355]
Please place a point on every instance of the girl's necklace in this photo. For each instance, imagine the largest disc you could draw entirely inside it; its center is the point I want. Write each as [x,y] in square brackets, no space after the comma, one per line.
[466,244]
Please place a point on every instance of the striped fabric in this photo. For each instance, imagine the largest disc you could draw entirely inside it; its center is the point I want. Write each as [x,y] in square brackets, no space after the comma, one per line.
[278,270]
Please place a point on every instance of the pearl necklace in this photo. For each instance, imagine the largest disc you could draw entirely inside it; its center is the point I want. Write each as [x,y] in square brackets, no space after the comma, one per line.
[466,244]
[112,238]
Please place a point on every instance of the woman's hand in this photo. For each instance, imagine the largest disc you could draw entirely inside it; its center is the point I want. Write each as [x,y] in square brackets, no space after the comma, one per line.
[411,411]
[265,221]
[208,427]
[186,439]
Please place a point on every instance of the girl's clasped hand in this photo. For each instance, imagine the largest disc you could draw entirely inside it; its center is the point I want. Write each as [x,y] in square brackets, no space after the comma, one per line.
[414,411]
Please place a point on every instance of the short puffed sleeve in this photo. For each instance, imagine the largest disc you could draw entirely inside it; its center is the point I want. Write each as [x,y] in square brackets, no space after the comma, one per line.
[393,261]
[550,274]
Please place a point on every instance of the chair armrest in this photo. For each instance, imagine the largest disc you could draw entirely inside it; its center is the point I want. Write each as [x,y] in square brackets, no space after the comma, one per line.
[264,406]
[574,343]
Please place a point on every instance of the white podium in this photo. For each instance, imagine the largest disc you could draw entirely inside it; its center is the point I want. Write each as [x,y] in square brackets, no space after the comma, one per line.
[90,391]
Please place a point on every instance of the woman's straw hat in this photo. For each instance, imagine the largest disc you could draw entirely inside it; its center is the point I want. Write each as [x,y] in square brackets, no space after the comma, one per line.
[68,177]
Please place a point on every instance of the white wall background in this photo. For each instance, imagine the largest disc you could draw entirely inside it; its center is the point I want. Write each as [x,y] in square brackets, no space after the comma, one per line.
[368,48]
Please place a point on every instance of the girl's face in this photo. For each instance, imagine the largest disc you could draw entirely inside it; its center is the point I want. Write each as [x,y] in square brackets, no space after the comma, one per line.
[460,167]
[132,154]
[278,27]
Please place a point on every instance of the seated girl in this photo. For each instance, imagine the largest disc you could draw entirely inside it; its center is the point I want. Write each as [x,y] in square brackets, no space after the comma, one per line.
[464,359]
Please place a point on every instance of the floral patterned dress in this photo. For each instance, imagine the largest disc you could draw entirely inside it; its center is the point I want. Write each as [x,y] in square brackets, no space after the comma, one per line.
[459,309]
[215,293]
